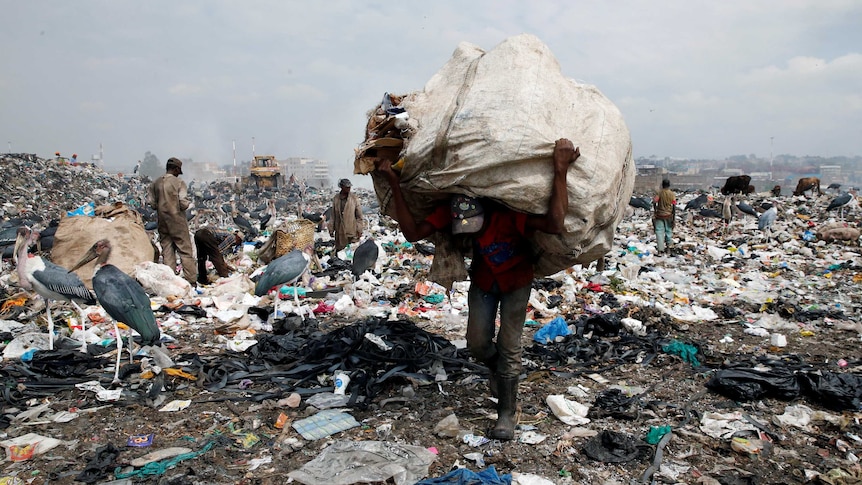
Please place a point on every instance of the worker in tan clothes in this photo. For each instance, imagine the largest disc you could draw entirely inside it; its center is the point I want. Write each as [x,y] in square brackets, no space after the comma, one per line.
[347,221]
[169,196]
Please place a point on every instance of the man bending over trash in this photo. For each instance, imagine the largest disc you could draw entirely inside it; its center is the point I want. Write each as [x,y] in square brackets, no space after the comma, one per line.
[215,244]
[501,273]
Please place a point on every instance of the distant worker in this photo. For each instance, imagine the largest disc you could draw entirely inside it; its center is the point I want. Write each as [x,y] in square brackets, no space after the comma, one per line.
[74,160]
[664,204]
[169,196]
[214,244]
[347,222]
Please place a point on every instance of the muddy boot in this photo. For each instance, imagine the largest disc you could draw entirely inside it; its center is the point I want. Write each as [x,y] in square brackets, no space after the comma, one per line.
[508,399]
[493,378]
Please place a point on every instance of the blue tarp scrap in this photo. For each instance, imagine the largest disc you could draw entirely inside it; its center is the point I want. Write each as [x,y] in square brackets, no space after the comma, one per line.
[463,476]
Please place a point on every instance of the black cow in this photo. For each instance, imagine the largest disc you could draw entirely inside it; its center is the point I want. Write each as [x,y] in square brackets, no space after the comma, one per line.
[736,184]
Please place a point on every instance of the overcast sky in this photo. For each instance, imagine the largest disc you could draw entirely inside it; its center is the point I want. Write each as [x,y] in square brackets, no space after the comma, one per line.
[181,78]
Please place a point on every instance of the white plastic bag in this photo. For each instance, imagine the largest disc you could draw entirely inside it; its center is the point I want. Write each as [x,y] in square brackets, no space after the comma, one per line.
[160,280]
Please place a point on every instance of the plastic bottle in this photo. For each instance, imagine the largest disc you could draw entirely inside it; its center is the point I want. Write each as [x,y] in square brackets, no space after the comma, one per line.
[341,382]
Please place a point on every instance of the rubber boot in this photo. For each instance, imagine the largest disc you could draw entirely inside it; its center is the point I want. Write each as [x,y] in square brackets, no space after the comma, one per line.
[506,404]
[493,378]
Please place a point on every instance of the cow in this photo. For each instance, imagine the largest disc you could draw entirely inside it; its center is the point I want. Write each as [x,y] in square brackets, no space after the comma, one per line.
[736,184]
[807,183]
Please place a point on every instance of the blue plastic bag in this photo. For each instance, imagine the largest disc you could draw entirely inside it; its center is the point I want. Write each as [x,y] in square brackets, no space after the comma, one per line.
[88,209]
[555,328]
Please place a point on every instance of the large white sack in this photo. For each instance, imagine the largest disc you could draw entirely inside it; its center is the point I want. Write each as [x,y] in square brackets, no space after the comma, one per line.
[159,279]
[486,124]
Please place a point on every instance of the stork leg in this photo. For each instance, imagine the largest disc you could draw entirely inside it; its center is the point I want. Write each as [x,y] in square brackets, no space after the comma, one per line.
[50,324]
[83,325]
[119,353]
[131,348]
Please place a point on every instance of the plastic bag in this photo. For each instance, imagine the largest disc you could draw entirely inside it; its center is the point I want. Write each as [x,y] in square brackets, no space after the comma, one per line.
[750,384]
[615,447]
[88,209]
[555,328]
[365,462]
[838,392]
[160,279]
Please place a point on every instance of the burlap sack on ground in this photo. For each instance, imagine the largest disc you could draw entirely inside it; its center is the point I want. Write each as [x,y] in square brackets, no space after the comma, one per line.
[485,125]
[118,224]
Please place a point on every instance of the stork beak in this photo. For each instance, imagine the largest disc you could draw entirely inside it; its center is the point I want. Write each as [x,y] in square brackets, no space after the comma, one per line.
[19,240]
[89,256]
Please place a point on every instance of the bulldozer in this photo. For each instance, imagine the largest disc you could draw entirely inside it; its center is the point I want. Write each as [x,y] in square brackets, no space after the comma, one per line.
[264,173]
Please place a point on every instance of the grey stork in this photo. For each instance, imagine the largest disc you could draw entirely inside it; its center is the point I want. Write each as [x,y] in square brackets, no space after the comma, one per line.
[840,203]
[640,203]
[743,207]
[698,202]
[364,258]
[50,281]
[283,270]
[765,221]
[122,297]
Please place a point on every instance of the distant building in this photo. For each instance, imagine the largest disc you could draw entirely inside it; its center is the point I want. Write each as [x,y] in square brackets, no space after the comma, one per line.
[315,173]
[830,174]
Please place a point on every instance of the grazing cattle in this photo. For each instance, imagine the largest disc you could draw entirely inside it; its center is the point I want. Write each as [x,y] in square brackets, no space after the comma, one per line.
[807,183]
[736,184]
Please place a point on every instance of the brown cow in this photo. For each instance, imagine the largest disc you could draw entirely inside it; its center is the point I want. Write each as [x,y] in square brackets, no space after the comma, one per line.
[807,183]
[736,184]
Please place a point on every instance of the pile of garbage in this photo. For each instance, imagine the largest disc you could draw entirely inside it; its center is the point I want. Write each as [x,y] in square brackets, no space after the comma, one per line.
[734,357]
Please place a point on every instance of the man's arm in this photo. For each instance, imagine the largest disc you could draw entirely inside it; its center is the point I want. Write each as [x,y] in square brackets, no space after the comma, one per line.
[412,230]
[183,195]
[151,196]
[553,222]
[360,220]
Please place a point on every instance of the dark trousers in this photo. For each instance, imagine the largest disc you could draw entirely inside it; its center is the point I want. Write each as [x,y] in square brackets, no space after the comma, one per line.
[207,248]
[482,315]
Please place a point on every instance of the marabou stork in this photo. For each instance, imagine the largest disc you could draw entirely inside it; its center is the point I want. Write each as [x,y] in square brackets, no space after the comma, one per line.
[122,297]
[245,226]
[50,281]
[840,203]
[364,258]
[640,203]
[747,209]
[711,213]
[697,202]
[765,221]
[285,269]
